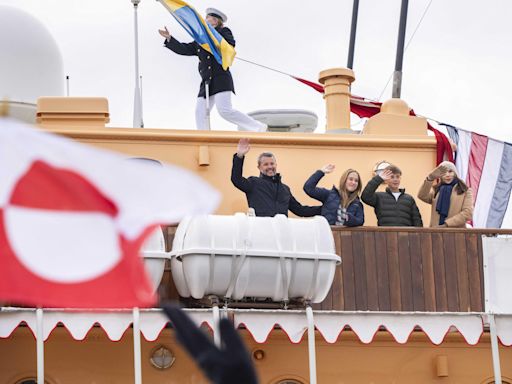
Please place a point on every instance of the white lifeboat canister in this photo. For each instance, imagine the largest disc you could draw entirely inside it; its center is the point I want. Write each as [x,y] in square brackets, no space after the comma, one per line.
[240,256]
[153,252]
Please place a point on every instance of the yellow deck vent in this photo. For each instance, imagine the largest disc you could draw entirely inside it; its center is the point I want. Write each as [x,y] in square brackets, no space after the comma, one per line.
[72,111]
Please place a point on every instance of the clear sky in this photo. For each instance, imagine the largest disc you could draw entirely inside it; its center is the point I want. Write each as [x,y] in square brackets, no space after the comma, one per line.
[456,68]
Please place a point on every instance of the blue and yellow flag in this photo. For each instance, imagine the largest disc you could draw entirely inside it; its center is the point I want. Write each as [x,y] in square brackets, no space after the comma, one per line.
[202,33]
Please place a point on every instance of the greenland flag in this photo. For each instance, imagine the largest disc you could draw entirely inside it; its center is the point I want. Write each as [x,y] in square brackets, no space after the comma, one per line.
[73,218]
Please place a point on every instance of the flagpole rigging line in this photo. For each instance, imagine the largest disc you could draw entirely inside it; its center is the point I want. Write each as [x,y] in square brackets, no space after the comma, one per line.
[419,23]
[290,75]
[366,98]
[390,77]
[407,45]
[312,84]
[283,73]
[264,66]
[287,74]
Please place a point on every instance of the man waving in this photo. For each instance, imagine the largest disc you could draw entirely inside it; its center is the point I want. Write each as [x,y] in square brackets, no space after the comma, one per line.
[266,193]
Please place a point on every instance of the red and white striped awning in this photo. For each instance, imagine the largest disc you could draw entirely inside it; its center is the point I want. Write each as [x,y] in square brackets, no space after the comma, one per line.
[260,323]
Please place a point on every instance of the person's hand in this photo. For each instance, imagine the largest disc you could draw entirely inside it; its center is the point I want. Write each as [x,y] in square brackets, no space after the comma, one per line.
[386,174]
[437,172]
[230,364]
[243,147]
[328,168]
[164,33]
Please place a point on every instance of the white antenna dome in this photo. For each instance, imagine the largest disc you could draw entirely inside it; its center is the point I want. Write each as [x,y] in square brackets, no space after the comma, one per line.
[31,64]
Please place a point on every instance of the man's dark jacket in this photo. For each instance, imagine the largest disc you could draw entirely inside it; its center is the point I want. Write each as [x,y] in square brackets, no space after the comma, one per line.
[210,70]
[331,201]
[391,212]
[268,195]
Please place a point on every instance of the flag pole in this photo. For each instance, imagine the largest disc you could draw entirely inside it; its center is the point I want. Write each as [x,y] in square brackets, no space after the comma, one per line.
[495,350]
[397,75]
[40,345]
[311,345]
[137,100]
[353,29]
[207,95]
[141,98]
[216,329]
[136,346]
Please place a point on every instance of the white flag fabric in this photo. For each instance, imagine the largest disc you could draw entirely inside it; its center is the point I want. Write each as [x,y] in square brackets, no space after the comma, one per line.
[485,164]
[73,218]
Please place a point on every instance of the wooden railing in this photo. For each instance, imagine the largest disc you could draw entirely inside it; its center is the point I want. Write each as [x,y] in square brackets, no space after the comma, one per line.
[400,269]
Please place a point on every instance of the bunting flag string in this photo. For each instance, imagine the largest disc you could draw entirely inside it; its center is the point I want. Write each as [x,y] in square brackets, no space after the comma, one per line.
[366,109]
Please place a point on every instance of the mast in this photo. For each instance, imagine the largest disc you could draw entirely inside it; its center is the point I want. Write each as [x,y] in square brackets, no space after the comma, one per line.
[353,29]
[137,100]
[397,76]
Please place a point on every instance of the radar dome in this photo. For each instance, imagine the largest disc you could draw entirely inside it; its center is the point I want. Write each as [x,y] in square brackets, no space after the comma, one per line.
[31,64]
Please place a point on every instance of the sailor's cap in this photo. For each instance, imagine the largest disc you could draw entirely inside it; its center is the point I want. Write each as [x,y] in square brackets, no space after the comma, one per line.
[216,13]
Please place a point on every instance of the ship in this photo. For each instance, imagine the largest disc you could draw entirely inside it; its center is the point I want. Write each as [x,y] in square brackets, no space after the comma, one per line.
[405,305]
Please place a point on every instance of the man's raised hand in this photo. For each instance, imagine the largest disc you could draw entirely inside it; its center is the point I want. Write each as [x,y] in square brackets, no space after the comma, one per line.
[243,147]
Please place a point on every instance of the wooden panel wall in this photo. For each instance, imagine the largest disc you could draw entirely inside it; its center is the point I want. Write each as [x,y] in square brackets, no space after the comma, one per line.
[399,269]
[407,269]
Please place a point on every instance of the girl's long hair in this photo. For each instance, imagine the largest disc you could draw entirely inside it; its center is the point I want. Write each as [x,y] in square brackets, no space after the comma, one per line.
[348,197]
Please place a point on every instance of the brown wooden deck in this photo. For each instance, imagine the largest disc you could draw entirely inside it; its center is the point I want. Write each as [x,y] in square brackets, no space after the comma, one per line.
[399,269]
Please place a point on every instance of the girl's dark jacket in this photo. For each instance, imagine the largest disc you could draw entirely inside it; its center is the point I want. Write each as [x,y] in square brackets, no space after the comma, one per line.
[331,201]
[210,70]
